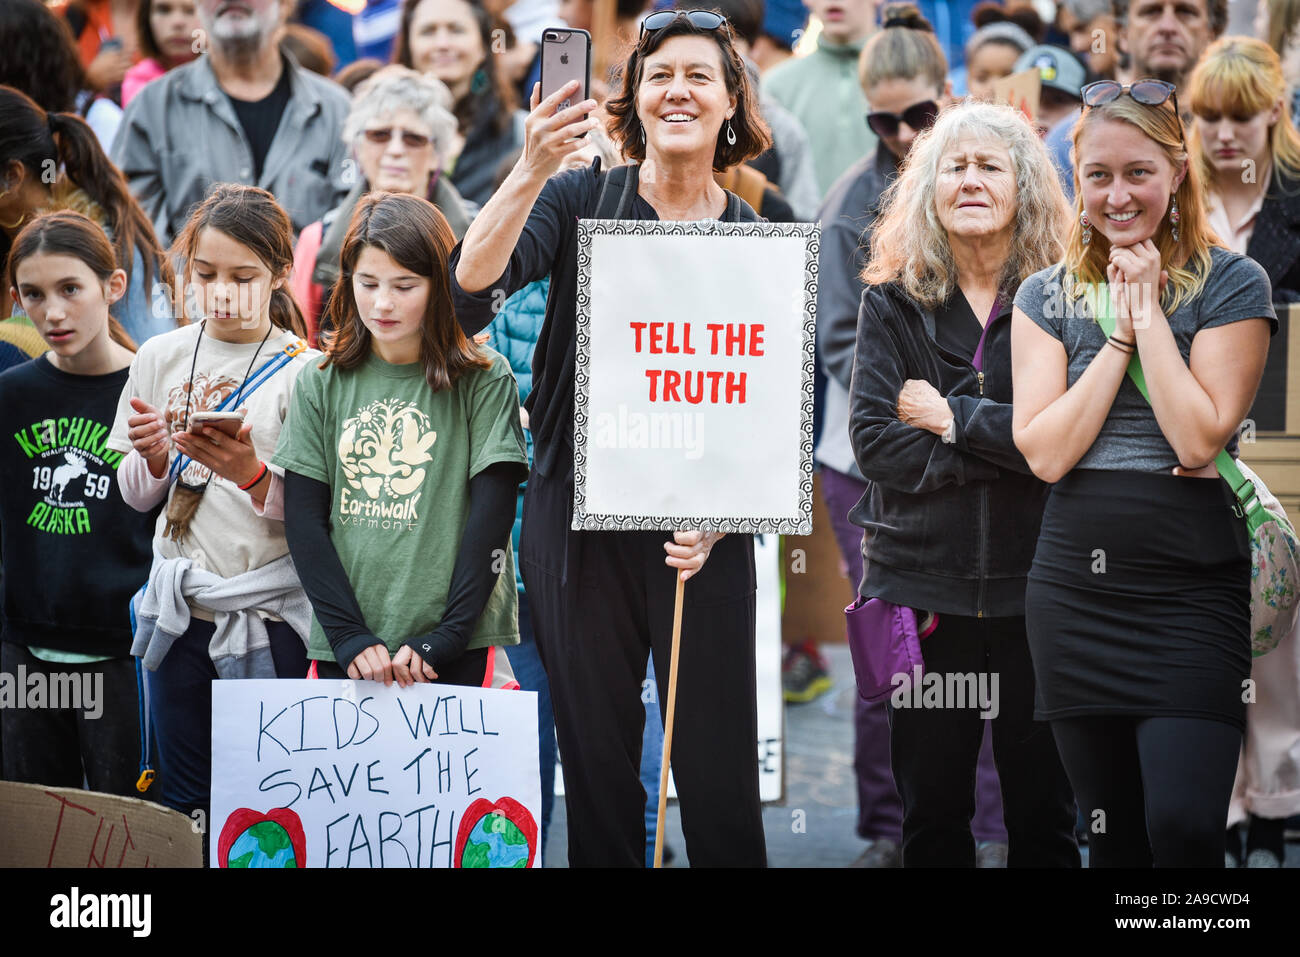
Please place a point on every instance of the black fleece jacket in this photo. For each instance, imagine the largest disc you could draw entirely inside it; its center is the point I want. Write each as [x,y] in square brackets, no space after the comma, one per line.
[949,528]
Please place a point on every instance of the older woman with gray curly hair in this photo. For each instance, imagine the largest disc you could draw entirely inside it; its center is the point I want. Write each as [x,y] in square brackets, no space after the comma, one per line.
[952,511]
[400,131]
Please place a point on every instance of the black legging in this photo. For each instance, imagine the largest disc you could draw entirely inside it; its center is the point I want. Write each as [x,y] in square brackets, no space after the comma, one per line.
[1153,791]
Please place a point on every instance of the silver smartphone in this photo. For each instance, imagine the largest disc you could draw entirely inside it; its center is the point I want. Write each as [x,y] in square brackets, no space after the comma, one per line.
[566,55]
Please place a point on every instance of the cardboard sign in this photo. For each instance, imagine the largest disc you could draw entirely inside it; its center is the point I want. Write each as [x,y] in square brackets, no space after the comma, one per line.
[694,381]
[352,774]
[1020,90]
[68,827]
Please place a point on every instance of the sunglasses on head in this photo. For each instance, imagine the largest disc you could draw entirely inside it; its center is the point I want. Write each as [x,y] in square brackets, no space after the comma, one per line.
[411,140]
[704,19]
[1146,92]
[919,116]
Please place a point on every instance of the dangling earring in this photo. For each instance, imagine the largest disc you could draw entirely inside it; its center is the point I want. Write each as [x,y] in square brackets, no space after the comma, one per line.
[643,136]
[731,134]
[1087,228]
[1173,217]
[480,81]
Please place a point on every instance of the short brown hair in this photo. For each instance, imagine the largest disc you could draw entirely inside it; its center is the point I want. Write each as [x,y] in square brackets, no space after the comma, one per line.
[752,135]
[416,236]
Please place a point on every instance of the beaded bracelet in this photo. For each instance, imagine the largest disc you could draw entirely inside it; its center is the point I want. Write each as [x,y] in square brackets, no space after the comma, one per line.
[256,478]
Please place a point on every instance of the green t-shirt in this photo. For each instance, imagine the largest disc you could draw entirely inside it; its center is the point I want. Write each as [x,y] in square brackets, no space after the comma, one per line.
[398,459]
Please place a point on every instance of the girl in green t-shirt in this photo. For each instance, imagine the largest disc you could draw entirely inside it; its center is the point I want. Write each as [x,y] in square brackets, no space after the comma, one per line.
[403,454]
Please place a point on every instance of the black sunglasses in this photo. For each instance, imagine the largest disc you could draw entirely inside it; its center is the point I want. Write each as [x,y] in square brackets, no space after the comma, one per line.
[704,19]
[919,116]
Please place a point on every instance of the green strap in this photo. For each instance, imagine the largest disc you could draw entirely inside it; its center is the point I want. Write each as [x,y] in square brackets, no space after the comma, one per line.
[1241,486]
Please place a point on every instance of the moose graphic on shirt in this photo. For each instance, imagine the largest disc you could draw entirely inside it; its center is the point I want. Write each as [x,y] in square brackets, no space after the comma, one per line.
[74,467]
[382,452]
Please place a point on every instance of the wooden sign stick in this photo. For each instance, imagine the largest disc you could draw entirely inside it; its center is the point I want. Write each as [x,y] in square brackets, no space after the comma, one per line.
[668,721]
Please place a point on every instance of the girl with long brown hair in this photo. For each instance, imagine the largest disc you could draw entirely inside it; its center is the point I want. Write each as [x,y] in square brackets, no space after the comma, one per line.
[404,450]
[73,552]
[222,580]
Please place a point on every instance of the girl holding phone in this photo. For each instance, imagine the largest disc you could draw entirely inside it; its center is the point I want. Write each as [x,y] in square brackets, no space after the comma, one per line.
[221,579]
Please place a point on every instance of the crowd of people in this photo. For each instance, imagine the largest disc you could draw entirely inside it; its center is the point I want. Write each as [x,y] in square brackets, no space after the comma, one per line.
[336,223]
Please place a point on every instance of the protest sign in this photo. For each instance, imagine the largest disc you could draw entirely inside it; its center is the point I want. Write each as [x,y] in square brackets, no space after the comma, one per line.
[352,774]
[1021,90]
[68,827]
[694,376]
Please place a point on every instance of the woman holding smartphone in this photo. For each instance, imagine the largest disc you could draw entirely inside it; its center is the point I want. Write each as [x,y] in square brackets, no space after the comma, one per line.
[602,600]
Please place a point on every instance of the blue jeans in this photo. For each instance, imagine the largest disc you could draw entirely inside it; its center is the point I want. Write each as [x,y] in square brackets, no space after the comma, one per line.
[531,675]
[652,758]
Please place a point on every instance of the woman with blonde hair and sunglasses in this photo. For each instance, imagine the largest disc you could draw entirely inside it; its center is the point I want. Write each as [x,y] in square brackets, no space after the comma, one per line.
[1138,602]
[1248,154]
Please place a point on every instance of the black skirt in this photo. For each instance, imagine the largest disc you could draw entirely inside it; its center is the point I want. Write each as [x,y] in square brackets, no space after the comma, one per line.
[1138,600]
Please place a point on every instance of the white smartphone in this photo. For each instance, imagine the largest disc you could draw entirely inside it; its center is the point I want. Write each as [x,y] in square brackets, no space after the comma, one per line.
[228,422]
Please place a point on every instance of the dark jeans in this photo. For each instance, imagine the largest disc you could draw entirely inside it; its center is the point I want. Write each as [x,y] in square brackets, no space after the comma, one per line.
[1153,791]
[62,747]
[180,705]
[880,810]
[601,602]
[530,674]
[935,750]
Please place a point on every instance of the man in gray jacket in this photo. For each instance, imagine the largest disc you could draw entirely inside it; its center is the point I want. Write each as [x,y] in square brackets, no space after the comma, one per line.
[243,112]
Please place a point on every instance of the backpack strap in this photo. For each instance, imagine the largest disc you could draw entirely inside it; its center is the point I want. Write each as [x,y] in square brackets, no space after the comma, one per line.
[616,192]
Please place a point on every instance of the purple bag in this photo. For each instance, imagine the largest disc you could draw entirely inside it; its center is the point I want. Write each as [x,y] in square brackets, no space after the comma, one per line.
[886,646]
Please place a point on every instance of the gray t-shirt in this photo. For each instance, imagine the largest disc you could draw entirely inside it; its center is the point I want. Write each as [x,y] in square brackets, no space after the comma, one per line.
[1130,439]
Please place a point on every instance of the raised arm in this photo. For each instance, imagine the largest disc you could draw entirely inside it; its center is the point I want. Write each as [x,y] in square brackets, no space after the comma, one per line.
[1052,425]
[1198,407]
[486,249]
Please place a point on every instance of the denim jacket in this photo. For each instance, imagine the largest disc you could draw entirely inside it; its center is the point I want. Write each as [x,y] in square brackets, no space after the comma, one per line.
[180,135]
[949,528]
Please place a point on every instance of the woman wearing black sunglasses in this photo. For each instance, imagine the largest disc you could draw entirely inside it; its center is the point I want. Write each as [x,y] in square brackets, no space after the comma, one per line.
[400,126]
[598,603]
[1138,601]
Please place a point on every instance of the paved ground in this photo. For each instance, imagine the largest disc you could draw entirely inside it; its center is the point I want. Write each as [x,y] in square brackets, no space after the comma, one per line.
[819,782]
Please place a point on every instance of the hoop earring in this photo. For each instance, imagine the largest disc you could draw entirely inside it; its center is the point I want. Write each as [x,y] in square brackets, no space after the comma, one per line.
[731,134]
[1087,228]
[1174,218]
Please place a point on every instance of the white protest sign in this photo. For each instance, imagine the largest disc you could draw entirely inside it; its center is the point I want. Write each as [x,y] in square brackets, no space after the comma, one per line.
[352,774]
[694,376]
